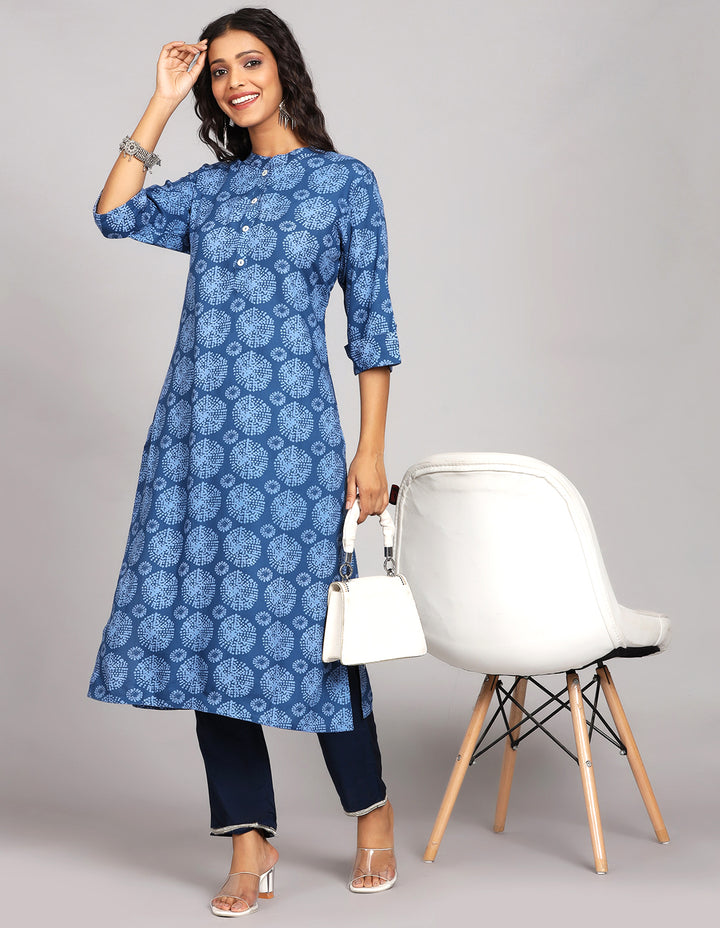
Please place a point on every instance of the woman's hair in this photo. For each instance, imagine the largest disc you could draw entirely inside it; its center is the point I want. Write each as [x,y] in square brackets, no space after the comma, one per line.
[230,142]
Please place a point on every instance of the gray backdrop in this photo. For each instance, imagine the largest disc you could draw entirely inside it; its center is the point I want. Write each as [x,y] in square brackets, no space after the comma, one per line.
[549,171]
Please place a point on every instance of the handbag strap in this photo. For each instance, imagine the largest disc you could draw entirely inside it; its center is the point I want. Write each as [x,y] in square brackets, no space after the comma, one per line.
[350,533]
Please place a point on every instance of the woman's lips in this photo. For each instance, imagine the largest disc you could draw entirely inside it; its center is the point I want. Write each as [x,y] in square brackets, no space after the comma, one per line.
[242,101]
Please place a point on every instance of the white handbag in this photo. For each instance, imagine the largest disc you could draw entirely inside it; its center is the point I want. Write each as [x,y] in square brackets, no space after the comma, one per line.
[371,618]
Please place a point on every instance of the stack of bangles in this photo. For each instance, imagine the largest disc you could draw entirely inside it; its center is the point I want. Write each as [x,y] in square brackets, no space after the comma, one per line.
[130,149]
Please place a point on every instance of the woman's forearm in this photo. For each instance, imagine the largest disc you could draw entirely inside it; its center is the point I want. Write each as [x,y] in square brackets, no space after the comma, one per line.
[366,474]
[128,175]
[374,392]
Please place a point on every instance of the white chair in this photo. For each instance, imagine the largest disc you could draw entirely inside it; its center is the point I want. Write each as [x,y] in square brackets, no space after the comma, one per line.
[503,561]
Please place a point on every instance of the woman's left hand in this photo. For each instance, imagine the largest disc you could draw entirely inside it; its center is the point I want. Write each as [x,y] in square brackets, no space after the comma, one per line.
[366,479]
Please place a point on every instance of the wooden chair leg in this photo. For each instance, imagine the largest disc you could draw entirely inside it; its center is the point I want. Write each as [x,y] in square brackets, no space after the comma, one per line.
[582,743]
[633,755]
[461,765]
[508,765]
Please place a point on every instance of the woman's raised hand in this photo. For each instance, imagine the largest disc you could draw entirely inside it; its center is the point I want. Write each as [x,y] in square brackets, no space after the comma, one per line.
[174,80]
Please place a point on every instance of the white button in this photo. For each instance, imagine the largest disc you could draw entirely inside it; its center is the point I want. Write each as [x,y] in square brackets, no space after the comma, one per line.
[245,228]
[240,262]
[264,173]
[254,200]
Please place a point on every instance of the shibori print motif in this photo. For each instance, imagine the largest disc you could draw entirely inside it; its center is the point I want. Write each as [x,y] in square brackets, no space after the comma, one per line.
[235,530]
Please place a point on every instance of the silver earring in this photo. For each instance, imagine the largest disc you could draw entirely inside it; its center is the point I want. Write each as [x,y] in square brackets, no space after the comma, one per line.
[226,125]
[284,118]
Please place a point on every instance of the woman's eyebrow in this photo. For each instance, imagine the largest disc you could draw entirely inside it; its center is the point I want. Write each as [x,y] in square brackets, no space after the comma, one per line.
[254,51]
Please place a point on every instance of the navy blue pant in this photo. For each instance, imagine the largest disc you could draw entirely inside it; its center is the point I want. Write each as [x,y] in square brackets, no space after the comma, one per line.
[240,780]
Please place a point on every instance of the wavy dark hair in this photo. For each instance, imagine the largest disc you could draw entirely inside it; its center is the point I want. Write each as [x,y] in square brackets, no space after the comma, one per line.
[232,142]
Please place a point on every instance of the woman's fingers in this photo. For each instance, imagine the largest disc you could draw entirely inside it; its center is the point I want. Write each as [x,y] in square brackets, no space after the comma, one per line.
[180,54]
[366,480]
[196,45]
[181,50]
[195,70]
[372,502]
[175,77]
[351,490]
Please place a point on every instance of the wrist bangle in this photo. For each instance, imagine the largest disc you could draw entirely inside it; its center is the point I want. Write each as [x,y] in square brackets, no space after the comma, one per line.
[129,149]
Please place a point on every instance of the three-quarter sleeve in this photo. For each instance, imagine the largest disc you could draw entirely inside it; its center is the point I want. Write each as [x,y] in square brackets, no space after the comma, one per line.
[158,214]
[363,276]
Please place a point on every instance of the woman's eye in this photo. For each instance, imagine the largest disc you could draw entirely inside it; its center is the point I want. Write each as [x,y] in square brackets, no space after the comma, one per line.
[253,62]
[218,72]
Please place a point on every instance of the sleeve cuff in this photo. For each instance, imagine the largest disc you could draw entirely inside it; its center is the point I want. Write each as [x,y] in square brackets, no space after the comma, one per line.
[367,356]
[120,221]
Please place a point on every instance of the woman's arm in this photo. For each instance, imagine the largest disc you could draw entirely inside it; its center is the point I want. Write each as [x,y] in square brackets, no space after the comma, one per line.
[174,82]
[366,474]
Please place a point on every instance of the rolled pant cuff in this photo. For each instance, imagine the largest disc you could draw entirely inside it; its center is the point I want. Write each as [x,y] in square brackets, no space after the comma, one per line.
[270,832]
[371,808]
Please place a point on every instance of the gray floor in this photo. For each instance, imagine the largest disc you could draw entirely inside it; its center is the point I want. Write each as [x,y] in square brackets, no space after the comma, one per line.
[122,839]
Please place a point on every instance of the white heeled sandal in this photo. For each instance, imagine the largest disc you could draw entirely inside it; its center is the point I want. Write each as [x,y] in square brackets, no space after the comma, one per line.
[364,867]
[266,890]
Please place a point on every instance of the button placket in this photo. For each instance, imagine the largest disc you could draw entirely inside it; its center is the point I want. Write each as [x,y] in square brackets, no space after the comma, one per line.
[251,214]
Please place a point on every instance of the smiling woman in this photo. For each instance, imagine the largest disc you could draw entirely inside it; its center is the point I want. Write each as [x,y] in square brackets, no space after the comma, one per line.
[245,68]
[236,531]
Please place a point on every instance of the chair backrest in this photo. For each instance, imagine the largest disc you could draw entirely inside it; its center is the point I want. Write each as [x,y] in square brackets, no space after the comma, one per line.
[504,565]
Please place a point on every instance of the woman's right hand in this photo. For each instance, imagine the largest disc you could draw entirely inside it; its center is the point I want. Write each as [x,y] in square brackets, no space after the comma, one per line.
[174,80]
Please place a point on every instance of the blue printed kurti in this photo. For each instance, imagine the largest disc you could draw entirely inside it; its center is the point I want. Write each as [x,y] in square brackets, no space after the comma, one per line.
[235,531]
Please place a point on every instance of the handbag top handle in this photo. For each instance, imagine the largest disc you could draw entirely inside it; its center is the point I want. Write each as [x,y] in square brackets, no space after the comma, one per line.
[350,533]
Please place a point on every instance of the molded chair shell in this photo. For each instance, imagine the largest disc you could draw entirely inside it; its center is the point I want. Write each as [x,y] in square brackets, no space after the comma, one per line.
[504,564]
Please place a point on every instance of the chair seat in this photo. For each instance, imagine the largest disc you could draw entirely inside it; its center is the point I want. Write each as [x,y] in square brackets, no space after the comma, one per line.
[642,633]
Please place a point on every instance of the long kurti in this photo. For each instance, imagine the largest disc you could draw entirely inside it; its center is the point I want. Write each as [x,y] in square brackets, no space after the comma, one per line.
[235,532]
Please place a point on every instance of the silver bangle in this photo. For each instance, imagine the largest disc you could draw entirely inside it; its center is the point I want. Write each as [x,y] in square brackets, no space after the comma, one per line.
[129,149]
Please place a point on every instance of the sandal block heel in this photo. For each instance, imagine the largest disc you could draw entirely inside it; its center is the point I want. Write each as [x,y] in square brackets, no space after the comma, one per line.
[266,887]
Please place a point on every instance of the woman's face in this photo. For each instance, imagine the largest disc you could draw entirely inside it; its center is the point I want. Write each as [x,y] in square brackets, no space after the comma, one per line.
[244,78]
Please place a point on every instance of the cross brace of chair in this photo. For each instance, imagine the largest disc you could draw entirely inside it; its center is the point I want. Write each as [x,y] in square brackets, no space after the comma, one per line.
[561,701]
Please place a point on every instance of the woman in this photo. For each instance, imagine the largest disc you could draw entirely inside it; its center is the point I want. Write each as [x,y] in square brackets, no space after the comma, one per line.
[235,533]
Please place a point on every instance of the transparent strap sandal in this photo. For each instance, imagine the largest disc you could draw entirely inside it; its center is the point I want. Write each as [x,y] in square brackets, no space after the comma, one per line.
[378,862]
[265,890]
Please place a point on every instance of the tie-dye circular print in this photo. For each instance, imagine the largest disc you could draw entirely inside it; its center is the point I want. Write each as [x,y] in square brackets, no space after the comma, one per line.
[235,532]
